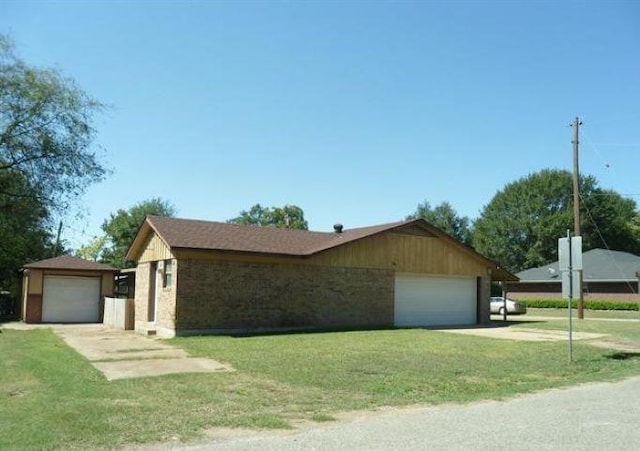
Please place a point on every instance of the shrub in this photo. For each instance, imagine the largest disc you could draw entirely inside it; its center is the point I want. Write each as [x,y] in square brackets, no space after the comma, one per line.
[8,306]
[588,304]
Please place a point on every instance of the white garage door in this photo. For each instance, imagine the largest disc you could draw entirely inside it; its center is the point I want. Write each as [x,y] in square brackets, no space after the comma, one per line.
[434,301]
[71,299]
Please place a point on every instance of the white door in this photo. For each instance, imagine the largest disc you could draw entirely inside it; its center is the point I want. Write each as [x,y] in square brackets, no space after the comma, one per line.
[434,301]
[71,299]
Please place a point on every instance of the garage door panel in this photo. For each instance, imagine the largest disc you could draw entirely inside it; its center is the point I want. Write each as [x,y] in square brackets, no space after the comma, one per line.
[434,301]
[71,299]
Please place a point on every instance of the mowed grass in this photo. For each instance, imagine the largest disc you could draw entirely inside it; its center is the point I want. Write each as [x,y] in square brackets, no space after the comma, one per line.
[51,398]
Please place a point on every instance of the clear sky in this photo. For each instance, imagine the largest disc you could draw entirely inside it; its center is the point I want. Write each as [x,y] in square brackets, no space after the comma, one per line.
[355,111]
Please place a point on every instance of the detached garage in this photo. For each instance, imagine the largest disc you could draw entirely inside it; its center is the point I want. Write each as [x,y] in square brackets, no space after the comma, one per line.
[65,289]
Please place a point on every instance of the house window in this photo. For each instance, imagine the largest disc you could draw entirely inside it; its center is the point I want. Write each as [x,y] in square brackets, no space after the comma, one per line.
[168,273]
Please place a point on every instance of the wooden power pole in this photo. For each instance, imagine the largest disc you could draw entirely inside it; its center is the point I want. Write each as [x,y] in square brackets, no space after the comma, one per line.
[576,203]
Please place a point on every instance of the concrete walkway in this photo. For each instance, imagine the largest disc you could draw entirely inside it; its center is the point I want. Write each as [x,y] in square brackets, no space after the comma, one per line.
[523,334]
[120,354]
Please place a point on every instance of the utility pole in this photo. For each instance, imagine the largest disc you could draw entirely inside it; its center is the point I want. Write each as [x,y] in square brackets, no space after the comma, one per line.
[56,250]
[576,203]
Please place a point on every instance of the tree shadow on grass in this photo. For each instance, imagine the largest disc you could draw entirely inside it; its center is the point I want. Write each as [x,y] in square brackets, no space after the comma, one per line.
[501,323]
[624,355]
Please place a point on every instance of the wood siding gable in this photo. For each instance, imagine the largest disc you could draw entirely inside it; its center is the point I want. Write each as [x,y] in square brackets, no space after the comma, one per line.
[155,249]
[404,252]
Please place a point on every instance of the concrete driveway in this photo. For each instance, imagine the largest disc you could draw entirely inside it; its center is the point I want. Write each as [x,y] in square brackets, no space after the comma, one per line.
[522,334]
[122,354]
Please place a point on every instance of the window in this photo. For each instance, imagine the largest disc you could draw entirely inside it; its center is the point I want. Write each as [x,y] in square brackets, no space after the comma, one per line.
[168,273]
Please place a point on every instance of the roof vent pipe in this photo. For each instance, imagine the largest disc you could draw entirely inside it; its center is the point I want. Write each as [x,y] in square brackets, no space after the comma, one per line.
[337,228]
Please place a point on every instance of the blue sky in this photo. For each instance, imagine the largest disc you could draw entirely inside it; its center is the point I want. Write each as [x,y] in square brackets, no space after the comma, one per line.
[355,111]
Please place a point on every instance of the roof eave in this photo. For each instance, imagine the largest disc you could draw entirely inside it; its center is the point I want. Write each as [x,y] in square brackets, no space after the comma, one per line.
[242,252]
[584,280]
[58,268]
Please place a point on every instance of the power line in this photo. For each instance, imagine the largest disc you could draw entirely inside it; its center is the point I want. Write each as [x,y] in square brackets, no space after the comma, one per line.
[617,145]
[606,245]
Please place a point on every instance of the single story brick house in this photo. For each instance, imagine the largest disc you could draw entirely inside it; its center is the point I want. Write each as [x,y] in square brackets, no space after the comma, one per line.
[197,277]
[65,289]
[606,275]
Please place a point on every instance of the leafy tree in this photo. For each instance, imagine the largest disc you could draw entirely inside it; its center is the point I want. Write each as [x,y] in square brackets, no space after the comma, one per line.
[94,249]
[444,217]
[521,225]
[24,230]
[120,229]
[605,212]
[287,217]
[634,224]
[46,132]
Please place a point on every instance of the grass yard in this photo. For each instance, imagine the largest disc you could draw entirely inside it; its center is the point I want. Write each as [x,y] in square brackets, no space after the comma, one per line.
[50,397]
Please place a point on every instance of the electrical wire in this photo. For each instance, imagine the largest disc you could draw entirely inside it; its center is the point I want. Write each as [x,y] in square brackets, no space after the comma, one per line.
[606,245]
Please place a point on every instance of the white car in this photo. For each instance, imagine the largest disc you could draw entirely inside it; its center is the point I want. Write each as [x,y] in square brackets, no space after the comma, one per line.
[513,307]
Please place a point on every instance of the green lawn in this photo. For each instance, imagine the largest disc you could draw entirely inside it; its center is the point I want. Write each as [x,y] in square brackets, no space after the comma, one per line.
[50,397]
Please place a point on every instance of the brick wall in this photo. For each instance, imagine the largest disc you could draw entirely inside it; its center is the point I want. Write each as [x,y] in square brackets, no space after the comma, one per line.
[166,304]
[142,296]
[485,293]
[239,295]
[166,301]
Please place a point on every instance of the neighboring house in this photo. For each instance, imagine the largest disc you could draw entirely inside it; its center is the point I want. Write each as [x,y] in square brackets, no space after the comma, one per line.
[65,289]
[607,275]
[202,277]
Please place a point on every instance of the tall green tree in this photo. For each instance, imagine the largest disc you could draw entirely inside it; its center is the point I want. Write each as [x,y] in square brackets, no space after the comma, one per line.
[24,230]
[287,217]
[46,132]
[94,249]
[634,224]
[46,161]
[121,227]
[522,223]
[444,217]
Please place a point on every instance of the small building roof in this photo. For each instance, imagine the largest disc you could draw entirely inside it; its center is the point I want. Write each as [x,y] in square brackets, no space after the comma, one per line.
[221,236]
[69,262]
[599,265]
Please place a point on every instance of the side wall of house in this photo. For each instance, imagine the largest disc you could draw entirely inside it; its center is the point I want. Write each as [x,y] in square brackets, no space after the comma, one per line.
[233,295]
[164,300]
[484,293]
[141,303]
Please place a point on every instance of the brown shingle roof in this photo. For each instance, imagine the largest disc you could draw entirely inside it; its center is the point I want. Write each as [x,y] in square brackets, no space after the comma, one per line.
[222,236]
[70,262]
[195,234]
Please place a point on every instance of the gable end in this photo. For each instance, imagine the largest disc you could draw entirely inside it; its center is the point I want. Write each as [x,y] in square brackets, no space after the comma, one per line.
[413,229]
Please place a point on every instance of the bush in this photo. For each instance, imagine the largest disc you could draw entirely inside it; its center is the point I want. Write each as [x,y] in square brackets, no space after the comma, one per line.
[588,304]
[8,306]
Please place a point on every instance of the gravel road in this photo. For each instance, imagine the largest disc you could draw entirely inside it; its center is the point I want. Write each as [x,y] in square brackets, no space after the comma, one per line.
[600,416]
